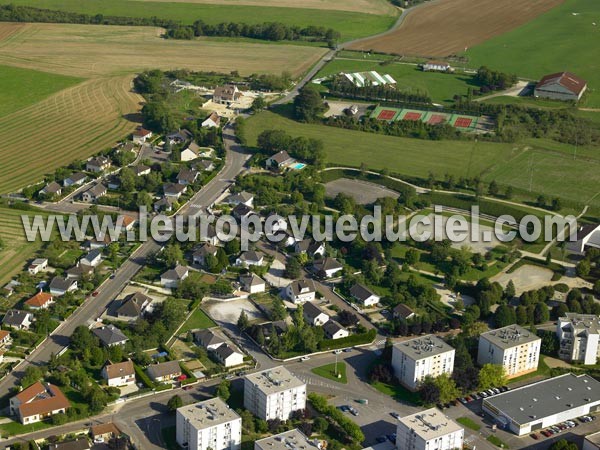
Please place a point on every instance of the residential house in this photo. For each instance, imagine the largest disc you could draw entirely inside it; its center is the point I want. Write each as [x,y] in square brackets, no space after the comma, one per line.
[128,222]
[365,296]
[190,153]
[97,164]
[17,319]
[242,211]
[179,137]
[402,311]
[279,160]
[252,283]
[105,432]
[110,335]
[212,121]
[52,189]
[585,237]
[37,265]
[38,401]
[162,372]
[75,179]
[119,374]
[60,286]
[133,306]
[209,234]
[300,291]
[560,86]
[334,330]
[208,339]
[327,267]
[227,356]
[93,258]
[141,135]
[164,204]
[250,258]
[171,278]
[199,256]
[187,176]
[285,237]
[81,443]
[94,193]
[310,247]
[41,300]
[173,190]
[314,315]
[226,94]
[80,271]
[4,338]
[113,182]
[205,165]
[9,288]
[141,170]
[241,197]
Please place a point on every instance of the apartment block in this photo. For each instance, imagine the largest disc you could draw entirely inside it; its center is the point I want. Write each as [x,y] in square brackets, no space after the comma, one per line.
[579,336]
[512,347]
[429,430]
[274,394]
[413,360]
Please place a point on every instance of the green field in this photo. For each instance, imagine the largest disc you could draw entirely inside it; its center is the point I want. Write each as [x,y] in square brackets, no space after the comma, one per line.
[555,41]
[329,371]
[23,87]
[548,166]
[15,251]
[350,24]
[528,102]
[441,87]
[197,321]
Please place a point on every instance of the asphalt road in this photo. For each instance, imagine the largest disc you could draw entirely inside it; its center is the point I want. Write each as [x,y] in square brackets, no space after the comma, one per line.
[93,306]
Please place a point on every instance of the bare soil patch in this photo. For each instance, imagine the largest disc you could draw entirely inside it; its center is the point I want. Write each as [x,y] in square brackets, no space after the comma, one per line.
[362,6]
[447,27]
[363,192]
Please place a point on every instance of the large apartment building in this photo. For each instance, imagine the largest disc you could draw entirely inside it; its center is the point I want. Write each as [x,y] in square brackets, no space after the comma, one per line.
[579,336]
[274,394]
[288,440]
[429,430]
[512,347]
[208,424]
[413,360]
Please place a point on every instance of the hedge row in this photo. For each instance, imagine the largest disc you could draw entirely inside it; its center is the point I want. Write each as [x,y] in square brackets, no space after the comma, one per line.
[353,339]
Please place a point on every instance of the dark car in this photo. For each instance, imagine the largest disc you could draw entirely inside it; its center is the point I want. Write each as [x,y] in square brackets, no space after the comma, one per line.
[344,408]
[188,388]
[395,415]
[546,433]
[535,436]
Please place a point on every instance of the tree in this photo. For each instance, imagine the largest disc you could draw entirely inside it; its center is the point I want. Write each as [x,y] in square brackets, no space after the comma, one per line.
[429,392]
[563,444]
[278,311]
[505,315]
[172,255]
[223,390]
[243,321]
[320,424]
[446,387]
[308,104]
[412,256]
[258,103]
[597,288]
[174,403]
[541,313]
[293,268]
[583,268]
[491,375]
[510,290]
[493,188]
[32,375]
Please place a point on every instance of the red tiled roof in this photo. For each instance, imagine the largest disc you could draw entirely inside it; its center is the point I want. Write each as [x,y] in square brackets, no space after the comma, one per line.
[568,80]
[39,399]
[39,299]
[3,334]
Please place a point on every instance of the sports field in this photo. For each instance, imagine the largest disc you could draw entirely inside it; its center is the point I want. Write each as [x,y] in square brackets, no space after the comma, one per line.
[350,24]
[361,6]
[447,27]
[22,87]
[460,121]
[552,171]
[440,87]
[16,251]
[93,50]
[574,25]
[71,124]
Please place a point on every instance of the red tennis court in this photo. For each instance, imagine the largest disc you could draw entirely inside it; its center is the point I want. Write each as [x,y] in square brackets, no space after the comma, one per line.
[412,116]
[463,122]
[436,118]
[386,114]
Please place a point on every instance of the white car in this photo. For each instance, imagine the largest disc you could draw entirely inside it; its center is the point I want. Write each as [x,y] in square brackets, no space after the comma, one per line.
[305,358]
[337,352]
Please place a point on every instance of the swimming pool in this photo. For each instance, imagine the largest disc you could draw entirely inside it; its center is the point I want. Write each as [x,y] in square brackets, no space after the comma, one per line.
[298,166]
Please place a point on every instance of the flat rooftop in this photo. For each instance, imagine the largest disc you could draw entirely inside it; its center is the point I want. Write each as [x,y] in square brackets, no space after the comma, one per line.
[594,438]
[546,398]
[581,322]
[510,336]
[288,440]
[275,380]
[430,424]
[423,347]
[208,413]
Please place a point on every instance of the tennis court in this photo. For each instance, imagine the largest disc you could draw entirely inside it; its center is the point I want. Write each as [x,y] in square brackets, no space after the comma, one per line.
[460,121]
[463,122]
[385,113]
[411,115]
[434,118]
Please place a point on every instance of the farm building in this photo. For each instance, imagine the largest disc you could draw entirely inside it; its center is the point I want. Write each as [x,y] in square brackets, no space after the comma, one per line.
[437,66]
[371,78]
[561,86]
[586,236]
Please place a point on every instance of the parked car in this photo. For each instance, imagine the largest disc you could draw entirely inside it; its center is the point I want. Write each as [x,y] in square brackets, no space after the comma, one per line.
[546,433]
[344,408]
[475,396]
[469,399]
[305,358]
[346,350]
[534,436]
[94,294]
[483,395]
[353,411]
[463,400]
[395,415]
[188,388]
[337,352]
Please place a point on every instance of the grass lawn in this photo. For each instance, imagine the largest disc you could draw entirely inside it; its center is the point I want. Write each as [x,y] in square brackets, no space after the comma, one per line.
[350,24]
[547,169]
[198,320]
[542,371]
[397,392]
[329,370]
[14,428]
[524,50]
[23,87]
[496,441]
[529,102]
[469,423]
[15,250]
[441,87]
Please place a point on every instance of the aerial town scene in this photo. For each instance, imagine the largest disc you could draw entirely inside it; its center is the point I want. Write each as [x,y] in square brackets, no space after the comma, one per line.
[299,225]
